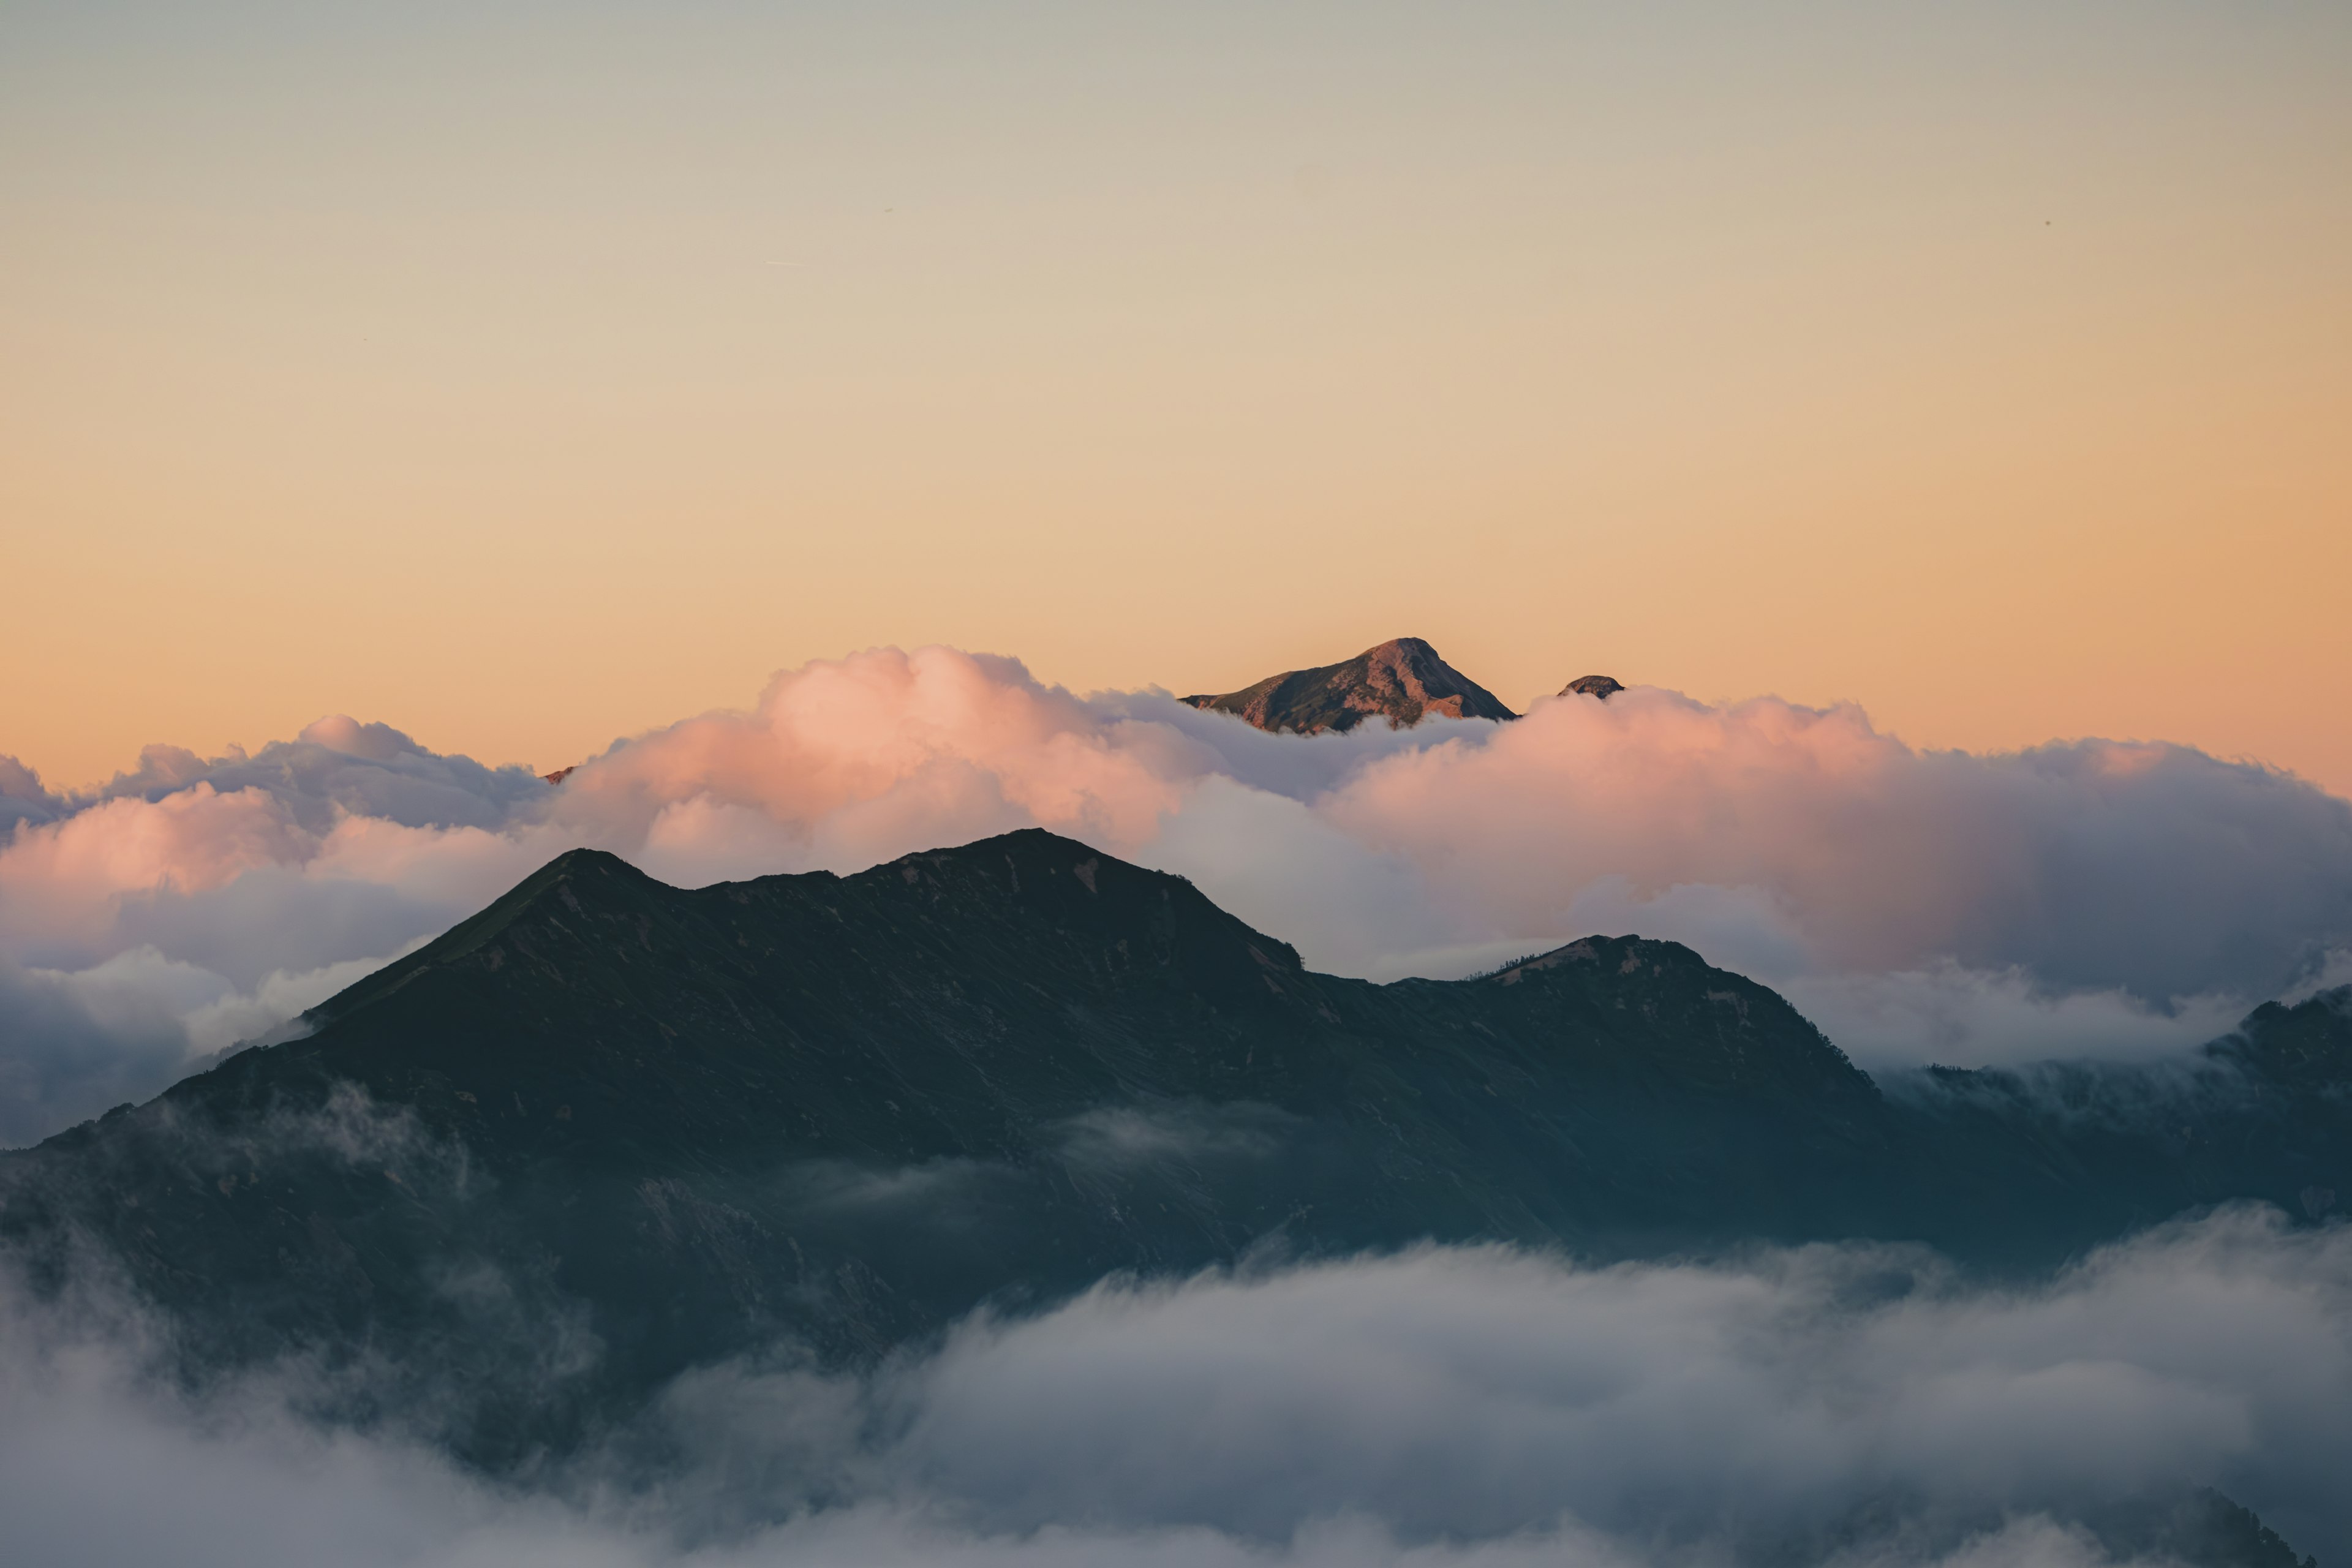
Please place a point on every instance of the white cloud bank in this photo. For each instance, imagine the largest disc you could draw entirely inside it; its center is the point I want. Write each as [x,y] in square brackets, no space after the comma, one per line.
[1440,1408]
[2084,897]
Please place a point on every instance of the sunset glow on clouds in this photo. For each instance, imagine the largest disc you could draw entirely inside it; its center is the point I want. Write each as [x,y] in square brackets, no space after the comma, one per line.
[2082,898]
[531,374]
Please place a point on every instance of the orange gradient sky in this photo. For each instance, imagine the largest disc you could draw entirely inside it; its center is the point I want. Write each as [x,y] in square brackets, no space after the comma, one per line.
[527,380]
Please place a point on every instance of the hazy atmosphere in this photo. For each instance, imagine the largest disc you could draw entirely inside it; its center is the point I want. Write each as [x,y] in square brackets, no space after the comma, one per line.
[798,785]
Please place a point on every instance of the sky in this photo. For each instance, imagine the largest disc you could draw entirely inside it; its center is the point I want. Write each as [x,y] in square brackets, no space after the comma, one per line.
[524,376]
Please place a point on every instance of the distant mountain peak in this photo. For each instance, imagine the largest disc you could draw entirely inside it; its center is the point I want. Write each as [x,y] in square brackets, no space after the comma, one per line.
[1604,686]
[1404,680]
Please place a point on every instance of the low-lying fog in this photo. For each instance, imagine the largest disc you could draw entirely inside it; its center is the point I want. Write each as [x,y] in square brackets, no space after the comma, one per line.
[1440,1406]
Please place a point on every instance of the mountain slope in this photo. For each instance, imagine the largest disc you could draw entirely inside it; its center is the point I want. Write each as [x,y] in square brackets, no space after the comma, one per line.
[608,1129]
[2265,1113]
[1402,681]
[849,1108]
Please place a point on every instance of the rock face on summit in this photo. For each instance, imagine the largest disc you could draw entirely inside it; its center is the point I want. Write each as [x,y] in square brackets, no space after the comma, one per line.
[1402,681]
[1604,686]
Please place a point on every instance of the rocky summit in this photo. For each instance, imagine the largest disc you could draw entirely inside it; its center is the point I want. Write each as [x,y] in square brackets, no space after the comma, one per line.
[1604,686]
[1402,681]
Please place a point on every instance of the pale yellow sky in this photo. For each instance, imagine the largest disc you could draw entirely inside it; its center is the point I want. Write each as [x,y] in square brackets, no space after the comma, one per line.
[525,383]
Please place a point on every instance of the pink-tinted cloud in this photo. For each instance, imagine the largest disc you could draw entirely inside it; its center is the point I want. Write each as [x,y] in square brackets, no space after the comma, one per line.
[67,876]
[868,756]
[2082,896]
[2095,863]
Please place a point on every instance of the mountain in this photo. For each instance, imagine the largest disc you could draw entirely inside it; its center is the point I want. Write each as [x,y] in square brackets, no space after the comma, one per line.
[1402,681]
[850,1108]
[608,1129]
[2264,1113]
[1604,686]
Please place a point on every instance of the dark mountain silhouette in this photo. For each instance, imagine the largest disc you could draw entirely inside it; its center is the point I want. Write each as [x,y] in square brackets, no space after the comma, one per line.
[608,1129]
[1402,681]
[850,1108]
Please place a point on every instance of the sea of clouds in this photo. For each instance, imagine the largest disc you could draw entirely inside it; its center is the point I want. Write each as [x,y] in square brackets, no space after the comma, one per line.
[2087,897]
[1444,1407]
[1476,1407]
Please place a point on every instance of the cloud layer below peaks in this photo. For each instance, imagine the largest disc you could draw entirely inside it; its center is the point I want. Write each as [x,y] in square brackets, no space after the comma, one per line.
[1477,1407]
[2087,896]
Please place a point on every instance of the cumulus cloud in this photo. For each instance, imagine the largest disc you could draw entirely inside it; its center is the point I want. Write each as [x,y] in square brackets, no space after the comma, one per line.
[2084,897]
[2077,898]
[22,796]
[1441,1407]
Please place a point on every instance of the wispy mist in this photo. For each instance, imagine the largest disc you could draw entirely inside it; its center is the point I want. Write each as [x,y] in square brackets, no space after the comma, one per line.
[1440,1406]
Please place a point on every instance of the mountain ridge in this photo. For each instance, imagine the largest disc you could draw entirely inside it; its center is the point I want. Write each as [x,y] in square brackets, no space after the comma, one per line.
[845,1111]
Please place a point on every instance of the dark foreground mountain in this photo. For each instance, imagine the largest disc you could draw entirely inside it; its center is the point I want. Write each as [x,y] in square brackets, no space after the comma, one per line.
[609,1129]
[1402,680]
[849,1108]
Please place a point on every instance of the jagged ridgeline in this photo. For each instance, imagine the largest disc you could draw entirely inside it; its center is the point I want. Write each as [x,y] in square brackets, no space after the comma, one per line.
[1402,680]
[608,1129]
